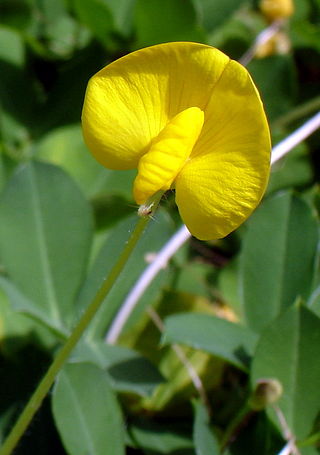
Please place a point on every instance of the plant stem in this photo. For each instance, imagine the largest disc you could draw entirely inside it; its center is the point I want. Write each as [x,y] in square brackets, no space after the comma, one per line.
[160,261]
[309,127]
[36,399]
[240,420]
[297,113]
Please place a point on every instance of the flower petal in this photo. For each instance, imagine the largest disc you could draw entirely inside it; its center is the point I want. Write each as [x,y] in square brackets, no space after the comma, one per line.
[228,171]
[131,100]
[168,153]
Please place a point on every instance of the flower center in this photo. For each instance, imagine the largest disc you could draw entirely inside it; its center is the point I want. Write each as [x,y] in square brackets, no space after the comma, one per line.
[160,165]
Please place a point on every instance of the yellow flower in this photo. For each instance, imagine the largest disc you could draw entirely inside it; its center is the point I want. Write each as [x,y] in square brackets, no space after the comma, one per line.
[278,44]
[189,119]
[277,9]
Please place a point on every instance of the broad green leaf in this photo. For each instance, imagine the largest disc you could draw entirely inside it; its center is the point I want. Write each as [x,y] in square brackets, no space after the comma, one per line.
[157,233]
[122,11]
[45,236]
[128,371]
[145,337]
[305,34]
[295,170]
[64,146]
[214,12]
[257,435]
[278,258]
[168,20]
[193,278]
[234,36]
[15,13]
[18,99]
[17,330]
[12,47]
[205,442]
[279,88]
[21,304]
[288,351]
[96,16]
[228,287]
[161,437]
[222,338]
[308,451]
[60,34]
[86,412]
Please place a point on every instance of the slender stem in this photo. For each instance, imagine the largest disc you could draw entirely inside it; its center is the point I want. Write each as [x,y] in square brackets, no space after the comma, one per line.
[295,138]
[235,426]
[300,111]
[287,449]
[178,239]
[195,378]
[261,39]
[36,399]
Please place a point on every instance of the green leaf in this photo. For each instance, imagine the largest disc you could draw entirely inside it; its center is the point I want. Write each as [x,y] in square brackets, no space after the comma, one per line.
[122,11]
[45,236]
[86,412]
[64,146]
[228,285]
[128,371]
[15,13]
[295,170]
[204,440]
[279,88]
[60,34]
[18,99]
[22,304]
[157,233]
[288,351]
[278,258]
[308,451]
[161,437]
[96,16]
[217,336]
[168,20]
[214,12]
[12,47]
[193,278]
[17,330]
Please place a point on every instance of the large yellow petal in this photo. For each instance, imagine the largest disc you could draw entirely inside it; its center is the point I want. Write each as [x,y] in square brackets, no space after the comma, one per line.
[131,100]
[228,171]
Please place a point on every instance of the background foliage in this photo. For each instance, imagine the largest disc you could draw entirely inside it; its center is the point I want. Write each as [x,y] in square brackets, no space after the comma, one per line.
[244,308]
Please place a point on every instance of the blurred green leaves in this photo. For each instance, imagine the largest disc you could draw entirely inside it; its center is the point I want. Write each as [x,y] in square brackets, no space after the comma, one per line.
[243,308]
[278,258]
[47,225]
[287,351]
[86,412]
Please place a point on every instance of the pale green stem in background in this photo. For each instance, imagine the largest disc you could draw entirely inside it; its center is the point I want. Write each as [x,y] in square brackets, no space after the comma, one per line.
[182,235]
[290,447]
[183,359]
[303,110]
[36,399]
[295,138]
[170,248]
[261,39]
[287,449]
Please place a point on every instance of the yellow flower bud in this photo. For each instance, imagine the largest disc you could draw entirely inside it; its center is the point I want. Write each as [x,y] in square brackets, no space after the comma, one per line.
[276,9]
[278,44]
[266,392]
